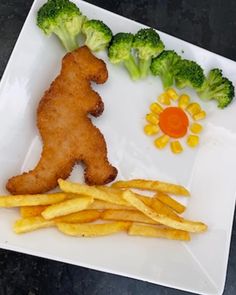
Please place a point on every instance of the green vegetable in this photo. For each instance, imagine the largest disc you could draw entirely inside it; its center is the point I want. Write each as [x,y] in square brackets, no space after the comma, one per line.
[148,45]
[62,18]
[188,74]
[217,87]
[120,51]
[164,66]
[98,35]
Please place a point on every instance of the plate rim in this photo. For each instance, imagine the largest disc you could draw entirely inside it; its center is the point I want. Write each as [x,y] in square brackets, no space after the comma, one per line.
[94,267]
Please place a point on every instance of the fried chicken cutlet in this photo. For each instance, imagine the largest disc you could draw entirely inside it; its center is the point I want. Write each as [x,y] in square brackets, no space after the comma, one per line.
[67,132]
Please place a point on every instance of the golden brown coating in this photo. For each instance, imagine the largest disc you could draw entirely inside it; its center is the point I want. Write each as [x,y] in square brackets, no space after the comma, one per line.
[67,133]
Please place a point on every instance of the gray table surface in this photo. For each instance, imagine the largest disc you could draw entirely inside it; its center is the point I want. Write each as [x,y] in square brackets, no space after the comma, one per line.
[208,23]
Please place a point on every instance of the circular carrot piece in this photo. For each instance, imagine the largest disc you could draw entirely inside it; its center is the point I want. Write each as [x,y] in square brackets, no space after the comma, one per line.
[174,122]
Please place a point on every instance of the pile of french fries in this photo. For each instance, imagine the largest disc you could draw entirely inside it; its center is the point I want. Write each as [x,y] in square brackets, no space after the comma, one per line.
[91,211]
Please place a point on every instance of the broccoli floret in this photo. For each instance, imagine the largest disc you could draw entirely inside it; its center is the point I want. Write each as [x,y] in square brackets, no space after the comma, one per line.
[120,51]
[148,45]
[217,87]
[98,35]
[63,18]
[188,74]
[164,66]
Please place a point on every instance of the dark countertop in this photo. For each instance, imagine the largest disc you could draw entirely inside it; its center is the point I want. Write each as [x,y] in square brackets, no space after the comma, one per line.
[208,23]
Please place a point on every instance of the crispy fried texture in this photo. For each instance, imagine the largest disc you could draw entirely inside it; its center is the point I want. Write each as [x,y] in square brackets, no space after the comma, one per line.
[67,133]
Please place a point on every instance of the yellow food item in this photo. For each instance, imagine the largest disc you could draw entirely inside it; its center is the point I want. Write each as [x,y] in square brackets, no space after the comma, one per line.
[67,207]
[103,205]
[172,94]
[137,229]
[152,118]
[151,129]
[162,141]
[176,147]
[29,224]
[162,209]
[84,216]
[192,141]
[164,98]
[92,191]
[193,108]
[32,211]
[33,200]
[182,224]
[196,128]
[151,185]
[199,116]
[184,101]
[172,203]
[75,211]
[127,215]
[93,230]
[156,108]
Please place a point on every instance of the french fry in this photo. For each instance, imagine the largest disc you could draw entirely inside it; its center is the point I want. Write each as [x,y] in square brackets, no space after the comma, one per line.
[172,203]
[157,205]
[67,207]
[162,209]
[31,211]
[92,191]
[119,192]
[158,232]
[103,205]
[31,200]
[30,224]
[146,200]
[92,230]
[187,225]
[111,190]
[152,186]
[79,217]
[73,210]
[127,215]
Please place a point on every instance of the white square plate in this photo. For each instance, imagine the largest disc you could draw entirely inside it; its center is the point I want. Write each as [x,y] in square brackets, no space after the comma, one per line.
[209,171]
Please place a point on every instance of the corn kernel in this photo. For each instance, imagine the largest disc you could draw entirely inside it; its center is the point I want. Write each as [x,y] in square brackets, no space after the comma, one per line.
[156,108]
[152,118]
[161,141]
[176,147]
[151,129]
[193,108]
[199,116]
[192,141]
[184,101]
[164,98]
[172,93]
[196,128]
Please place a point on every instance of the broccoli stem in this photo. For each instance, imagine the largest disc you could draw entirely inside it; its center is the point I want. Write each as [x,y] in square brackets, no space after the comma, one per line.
[69,41]
[167,80]
[180,84]
[94,43]
[132,68]
[144,66]
[91,41]
[207,94]
[204,95]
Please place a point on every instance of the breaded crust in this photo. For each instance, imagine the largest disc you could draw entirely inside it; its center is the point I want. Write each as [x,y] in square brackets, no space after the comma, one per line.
[67,132]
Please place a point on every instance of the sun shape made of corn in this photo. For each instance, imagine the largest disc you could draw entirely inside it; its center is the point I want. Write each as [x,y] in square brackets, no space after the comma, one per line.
[173,118]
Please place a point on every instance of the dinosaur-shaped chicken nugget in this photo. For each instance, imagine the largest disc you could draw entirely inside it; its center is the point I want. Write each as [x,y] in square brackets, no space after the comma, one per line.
[67,133]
